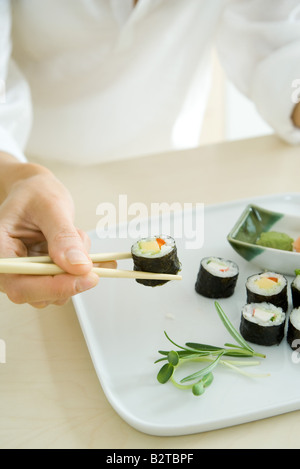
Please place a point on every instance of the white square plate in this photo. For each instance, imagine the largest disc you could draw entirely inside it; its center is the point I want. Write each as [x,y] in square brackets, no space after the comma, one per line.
[123,323]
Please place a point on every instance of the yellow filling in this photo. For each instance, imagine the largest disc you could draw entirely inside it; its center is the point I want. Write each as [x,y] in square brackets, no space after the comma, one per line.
[149,246]
[265,283]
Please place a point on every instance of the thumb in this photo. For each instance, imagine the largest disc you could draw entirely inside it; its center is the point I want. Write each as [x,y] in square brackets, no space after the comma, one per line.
[69,250]
[66,245]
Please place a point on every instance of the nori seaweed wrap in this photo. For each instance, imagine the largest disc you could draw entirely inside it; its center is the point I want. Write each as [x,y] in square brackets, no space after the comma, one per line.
[155,254]
[295,290]
[262,323]
[268,287]
[293,332]
[216,278]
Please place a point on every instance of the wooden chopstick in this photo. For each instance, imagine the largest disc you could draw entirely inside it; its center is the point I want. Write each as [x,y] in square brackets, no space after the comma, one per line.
[135,274]
[38,268]
[98,257]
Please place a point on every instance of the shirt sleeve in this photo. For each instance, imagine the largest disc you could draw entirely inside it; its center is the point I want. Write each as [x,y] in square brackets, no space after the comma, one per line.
[15,102]
[259,48]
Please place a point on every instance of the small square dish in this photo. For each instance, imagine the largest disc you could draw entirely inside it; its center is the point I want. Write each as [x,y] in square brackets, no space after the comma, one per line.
[277,231]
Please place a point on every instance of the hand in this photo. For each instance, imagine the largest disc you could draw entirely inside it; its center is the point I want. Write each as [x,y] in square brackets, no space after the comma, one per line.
[38,214]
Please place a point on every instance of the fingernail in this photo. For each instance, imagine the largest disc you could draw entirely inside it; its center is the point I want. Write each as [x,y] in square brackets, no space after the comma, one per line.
[76,257]
[86,282]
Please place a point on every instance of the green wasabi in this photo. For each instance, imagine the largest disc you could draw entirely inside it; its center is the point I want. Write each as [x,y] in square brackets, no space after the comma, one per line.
[275,240]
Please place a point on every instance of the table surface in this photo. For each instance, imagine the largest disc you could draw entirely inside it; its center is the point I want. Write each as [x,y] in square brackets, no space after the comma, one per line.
[50,396]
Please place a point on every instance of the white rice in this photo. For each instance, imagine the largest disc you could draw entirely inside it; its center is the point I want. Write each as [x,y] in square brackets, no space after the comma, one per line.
[296,282]
[276,288]
[295,318]
[267,308]
[213,264]
[165,248]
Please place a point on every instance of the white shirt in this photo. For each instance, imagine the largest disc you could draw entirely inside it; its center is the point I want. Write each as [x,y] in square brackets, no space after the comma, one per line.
[88,81]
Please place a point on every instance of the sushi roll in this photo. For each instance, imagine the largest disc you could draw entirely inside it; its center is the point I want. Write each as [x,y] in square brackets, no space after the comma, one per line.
[216,278]
[295,289]
[262,323]
[293,332]
[155,254]
[268,287]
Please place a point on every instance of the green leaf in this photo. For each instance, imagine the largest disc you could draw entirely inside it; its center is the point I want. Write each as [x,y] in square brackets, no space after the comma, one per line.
[173,358]
[179,346]
[203,371]
[241,352]
[160,360]
[198,388]
[195,352]
[232,345]
[183,353]
[238,353]
[208,379]
[203,347]
[231,329]
[165,373]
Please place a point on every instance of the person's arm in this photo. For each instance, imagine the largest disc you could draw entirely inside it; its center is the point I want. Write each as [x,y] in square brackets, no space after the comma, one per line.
[296,115]
[37,212]
[259,47]
[15,102]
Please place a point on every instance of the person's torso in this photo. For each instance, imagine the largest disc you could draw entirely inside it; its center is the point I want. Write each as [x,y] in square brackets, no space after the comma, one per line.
[118,78]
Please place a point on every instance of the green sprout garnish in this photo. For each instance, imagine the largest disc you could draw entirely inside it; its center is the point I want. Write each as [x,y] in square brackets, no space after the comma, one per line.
[214,356]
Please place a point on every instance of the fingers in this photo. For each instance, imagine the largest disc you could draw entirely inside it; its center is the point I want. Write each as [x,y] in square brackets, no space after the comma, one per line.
[41,248]
[40,212]
[67,248]
[9,246]
[53,216]
[39,291]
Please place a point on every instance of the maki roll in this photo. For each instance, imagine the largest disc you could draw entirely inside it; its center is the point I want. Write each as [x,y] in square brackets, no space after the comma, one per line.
[262,323]
[268,287]
[155,254]
[293,332]
[216,278]
[295,289]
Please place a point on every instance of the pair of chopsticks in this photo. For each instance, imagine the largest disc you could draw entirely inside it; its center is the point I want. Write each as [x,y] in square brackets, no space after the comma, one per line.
[43,265]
